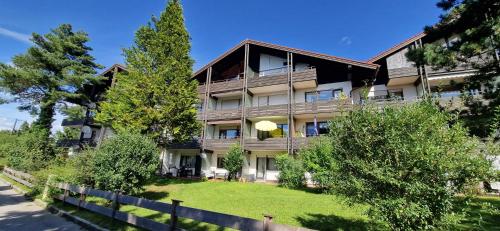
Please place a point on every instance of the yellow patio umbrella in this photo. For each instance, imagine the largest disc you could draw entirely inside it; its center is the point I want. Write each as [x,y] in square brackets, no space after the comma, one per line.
[265,125]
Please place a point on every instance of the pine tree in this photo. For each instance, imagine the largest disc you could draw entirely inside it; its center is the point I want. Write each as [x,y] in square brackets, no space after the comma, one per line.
[477,25]
[51,72]
[156,96]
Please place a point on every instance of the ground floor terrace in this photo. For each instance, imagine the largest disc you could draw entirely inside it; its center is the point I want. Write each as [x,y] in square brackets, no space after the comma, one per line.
[257,165]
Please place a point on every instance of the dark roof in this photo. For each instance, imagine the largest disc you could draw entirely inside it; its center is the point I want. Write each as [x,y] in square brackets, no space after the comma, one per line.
[396,47]
[112,68]
[289,49]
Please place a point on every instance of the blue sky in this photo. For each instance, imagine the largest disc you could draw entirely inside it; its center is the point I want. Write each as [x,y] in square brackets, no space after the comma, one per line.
[356,29]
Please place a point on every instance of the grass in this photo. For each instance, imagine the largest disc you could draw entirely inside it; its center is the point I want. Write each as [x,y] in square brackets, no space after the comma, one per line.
[303,208]
[13,182]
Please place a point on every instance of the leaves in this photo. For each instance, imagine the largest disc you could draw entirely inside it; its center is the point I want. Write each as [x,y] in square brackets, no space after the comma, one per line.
[156,96]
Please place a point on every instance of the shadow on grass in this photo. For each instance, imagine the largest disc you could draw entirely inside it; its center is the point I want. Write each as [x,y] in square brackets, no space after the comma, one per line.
[333,222]
[151,195]
[481,213]
[162,181]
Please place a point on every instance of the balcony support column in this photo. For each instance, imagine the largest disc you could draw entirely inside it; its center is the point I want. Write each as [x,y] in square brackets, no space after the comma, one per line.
[205,106]
[290,95]
[244,96]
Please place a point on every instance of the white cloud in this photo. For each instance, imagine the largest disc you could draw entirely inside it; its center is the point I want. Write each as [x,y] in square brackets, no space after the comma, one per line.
[15,35]
[345,41]
[6,123]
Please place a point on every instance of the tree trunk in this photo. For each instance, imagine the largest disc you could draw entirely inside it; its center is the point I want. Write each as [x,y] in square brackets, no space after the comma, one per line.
[47,112]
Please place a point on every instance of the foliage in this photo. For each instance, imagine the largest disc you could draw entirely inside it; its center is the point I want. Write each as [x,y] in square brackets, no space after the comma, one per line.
[125,162]
[51,72]
[75,112]
[233,161]
[291,172]
[476,24]
[156,96]
[318,160]
[31,150]
[406,162]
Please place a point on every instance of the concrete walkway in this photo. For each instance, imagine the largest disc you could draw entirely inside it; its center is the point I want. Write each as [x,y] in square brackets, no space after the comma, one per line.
[18,214]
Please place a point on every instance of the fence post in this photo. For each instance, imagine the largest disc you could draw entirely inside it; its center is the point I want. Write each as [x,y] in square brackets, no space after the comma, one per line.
[115,205]
[173,214]
[46,190]
[66,192]
[82,197]
[267,220]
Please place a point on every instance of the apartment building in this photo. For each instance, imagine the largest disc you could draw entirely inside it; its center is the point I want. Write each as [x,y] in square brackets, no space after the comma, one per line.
[92,133]
[297,91]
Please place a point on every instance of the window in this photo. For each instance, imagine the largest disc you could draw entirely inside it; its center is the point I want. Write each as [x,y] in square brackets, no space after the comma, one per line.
[322,128]
[271,164]
[310,96]
[229,133]
[220,162]
[188,161]
[323,95]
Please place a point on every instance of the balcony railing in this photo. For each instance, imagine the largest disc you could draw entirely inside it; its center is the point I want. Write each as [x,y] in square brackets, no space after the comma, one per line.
[403,72]
[230,84]
[266,144]
[224,114]
[279,76]
[330,106]
[269,110]
[218,144]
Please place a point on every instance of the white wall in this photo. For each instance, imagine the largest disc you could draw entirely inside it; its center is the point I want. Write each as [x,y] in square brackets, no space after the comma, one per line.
[252,170]
[398,60]
[409,91]
[346,86]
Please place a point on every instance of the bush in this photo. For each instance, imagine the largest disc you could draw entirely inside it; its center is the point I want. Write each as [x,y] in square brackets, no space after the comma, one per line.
[125,162]
[233,161]
[291,172]
[319,162]
[31,151]
[406,162]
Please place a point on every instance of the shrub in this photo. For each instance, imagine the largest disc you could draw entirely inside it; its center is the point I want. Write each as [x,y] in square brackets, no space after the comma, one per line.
[318,160]
[233,161]
[406,162]
[291,171]
[125,162]
[31,151]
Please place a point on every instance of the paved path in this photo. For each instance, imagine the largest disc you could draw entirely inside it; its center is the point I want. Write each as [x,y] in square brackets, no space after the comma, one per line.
[18,214]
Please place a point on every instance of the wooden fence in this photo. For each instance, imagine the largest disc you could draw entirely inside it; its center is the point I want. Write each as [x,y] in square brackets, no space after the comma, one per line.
[76,195]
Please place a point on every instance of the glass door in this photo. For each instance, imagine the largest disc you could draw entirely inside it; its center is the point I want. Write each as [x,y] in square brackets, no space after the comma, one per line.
[261,167]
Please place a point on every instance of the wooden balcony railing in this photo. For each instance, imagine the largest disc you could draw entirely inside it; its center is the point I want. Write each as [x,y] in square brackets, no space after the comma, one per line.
[227,85]
[403,72]
[270,110]
[267,144]
[224,114]
[201,89]
[305,75]
[323,106]
[282,78]
[218,144]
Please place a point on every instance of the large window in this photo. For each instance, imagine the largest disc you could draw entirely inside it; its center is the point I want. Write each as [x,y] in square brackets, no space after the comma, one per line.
[324,95]
[188,161]
[220,162]
[229,133]
[271,164]
[311,129]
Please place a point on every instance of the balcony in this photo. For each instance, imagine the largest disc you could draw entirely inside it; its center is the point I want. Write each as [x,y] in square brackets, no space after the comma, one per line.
[190,144]
[278,79]
[331,106]
[402,76]
[202,89]
[267,144]
[72,123]
[227,85]
[227,114]
[270,110]
[219,144]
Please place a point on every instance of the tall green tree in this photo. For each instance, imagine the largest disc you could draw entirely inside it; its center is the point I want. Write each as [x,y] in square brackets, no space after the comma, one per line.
[51,72]
[477,25]
[156,96]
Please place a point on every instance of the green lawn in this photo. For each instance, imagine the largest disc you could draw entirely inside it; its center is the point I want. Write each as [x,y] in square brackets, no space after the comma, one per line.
[294,207]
